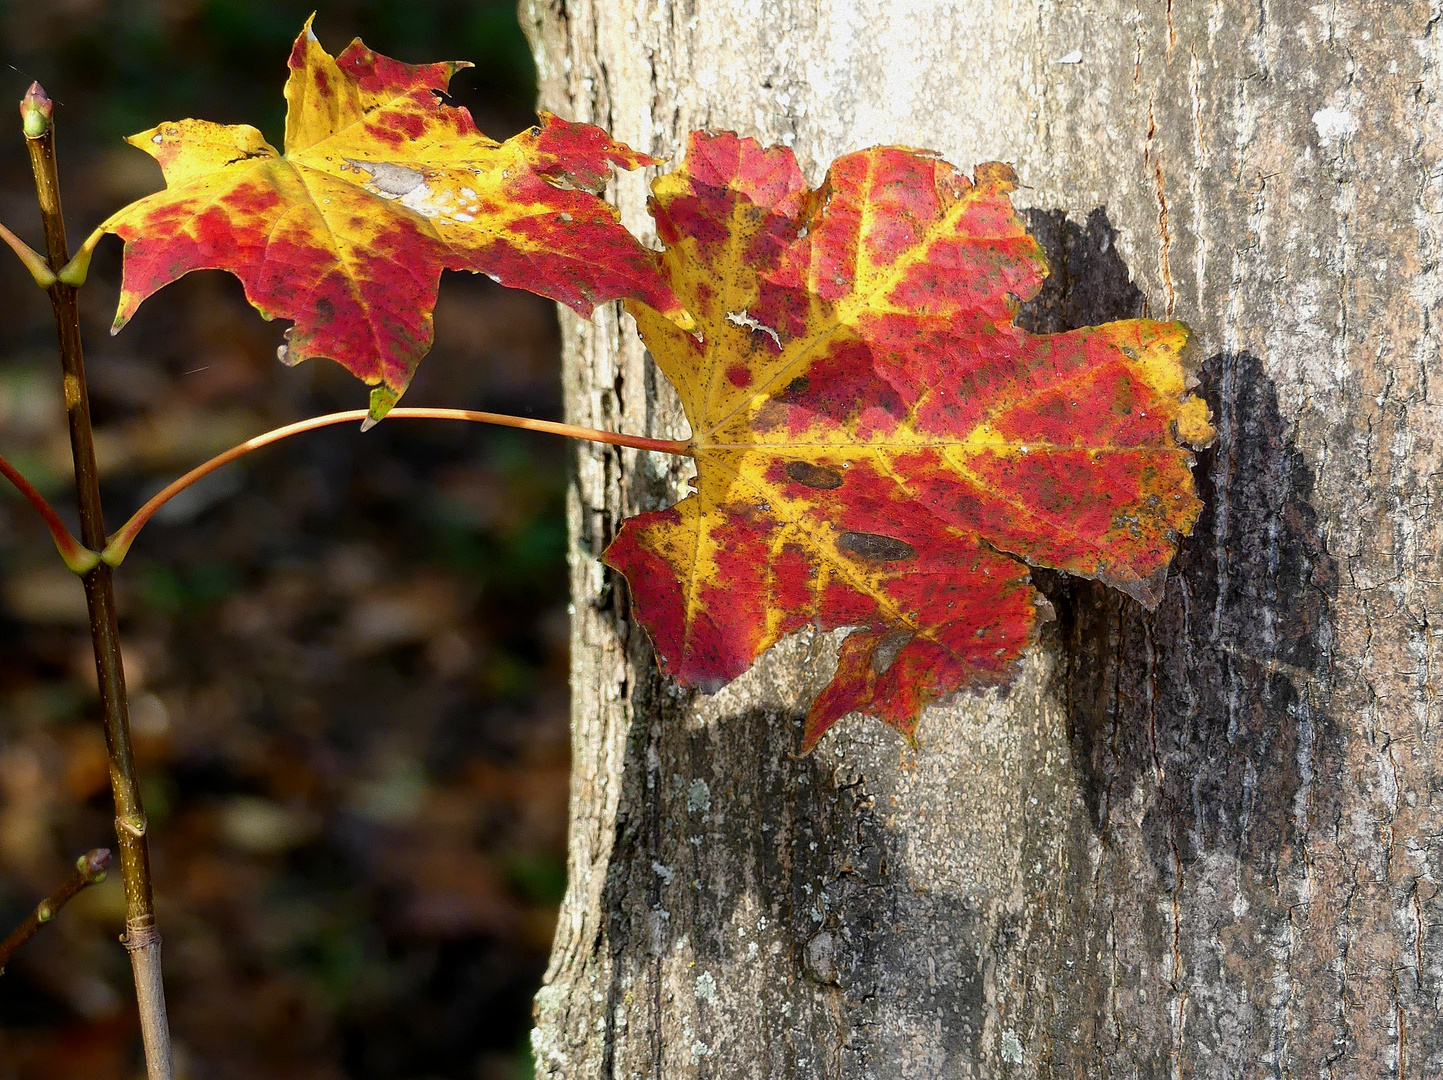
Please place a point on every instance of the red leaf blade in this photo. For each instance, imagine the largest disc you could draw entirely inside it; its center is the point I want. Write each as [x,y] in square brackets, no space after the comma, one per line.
[877,444]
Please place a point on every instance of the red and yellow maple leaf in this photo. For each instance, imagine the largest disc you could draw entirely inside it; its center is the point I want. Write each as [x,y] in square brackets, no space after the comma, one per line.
[877,445]
[381,187]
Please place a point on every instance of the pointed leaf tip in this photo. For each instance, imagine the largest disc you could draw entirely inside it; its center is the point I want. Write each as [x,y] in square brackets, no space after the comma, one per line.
[37,111]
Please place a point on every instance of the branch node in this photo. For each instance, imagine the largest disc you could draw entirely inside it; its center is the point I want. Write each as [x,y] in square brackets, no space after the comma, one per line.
[134,825]
[137,937]
[93,865]
[79,560]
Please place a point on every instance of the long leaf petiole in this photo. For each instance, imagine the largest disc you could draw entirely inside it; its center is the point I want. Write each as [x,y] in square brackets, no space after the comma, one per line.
[78,558]
[118,546]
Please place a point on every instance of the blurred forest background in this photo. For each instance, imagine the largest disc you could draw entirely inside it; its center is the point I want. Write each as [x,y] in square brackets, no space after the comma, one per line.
[347,653]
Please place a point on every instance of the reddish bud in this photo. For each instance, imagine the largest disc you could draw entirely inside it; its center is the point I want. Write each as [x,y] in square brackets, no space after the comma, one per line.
[92,865]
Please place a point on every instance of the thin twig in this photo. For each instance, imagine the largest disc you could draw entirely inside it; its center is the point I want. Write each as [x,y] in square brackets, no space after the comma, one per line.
[80,559]
[119,545]
[142,939]
[89,870]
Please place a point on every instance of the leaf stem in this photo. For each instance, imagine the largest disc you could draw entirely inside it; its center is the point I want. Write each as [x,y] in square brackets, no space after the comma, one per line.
[89,870]
[142,939]
[33,260]
[81,560]
[119,545]
[75,271]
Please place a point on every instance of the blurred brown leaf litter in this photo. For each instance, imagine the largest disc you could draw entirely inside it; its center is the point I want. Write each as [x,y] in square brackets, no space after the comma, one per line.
[347,654]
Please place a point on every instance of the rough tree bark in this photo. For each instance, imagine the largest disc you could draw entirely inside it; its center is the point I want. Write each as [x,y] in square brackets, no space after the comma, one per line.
[1198,841]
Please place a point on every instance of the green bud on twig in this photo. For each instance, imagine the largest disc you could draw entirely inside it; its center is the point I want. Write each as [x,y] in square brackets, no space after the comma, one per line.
[37,111]
[89,870]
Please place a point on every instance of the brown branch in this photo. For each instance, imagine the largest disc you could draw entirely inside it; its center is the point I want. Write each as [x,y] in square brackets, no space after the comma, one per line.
[89,870]
[142,939]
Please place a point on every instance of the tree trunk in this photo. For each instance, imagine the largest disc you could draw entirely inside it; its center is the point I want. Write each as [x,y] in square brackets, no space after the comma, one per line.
[1196,841]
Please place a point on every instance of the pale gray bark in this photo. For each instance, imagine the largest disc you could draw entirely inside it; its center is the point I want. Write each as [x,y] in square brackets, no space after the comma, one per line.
[1201,841]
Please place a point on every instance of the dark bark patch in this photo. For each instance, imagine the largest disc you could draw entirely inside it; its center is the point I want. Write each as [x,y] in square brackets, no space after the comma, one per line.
[727,829]
[1087,284]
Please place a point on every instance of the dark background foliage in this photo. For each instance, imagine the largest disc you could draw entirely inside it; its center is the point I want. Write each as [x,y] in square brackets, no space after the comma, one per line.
[347,653]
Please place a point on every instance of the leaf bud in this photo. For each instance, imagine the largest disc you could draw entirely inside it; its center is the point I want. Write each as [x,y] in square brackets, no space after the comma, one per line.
[37,111]
[93,864]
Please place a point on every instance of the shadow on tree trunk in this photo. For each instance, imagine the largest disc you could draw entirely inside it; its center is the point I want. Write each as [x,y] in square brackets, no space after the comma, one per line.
[1218,695]
[1215,697]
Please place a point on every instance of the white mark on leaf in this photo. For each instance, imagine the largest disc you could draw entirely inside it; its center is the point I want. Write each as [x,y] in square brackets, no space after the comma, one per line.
[741,318]
[388,178]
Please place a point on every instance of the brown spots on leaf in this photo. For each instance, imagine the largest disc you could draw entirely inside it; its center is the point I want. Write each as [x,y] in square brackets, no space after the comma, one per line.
[821,477]
[886,651]
[873,547]
[770,415]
